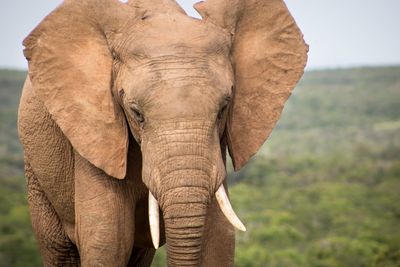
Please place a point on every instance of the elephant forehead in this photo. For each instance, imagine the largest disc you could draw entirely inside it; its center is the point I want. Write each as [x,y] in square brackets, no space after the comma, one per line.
[173,104]
[163,34]
[183,77]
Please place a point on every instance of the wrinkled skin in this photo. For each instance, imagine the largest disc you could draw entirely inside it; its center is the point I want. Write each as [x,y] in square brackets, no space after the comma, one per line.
[127,99]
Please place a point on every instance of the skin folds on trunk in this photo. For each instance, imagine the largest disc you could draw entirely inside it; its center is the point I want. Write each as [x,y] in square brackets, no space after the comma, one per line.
[185,180]
[184,224]
[184,205]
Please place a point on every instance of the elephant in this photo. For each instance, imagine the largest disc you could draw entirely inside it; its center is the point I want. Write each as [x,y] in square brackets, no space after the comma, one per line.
[126,117]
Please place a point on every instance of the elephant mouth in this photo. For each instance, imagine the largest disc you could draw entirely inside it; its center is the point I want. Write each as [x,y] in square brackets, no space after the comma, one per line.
[223,202]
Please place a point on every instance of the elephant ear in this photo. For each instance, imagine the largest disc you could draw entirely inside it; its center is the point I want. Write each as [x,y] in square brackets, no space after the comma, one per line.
[269,57]
[70,67]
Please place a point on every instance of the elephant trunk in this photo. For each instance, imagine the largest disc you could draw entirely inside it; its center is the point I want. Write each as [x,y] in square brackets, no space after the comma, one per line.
[184,223]
[183,176]
[187,187]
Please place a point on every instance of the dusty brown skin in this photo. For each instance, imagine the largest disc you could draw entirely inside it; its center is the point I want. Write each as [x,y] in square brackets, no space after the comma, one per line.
[126,98]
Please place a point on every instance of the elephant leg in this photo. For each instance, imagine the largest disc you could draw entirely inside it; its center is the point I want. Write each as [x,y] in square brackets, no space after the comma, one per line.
[104,214]
[218,248]
[141,257]
[55,247]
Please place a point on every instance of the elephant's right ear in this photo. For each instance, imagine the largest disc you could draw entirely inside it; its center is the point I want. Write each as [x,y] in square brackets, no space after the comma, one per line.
[269,56]
[70,66]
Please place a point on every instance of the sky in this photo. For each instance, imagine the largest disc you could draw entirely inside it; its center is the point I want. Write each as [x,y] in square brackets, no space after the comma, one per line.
[341,33]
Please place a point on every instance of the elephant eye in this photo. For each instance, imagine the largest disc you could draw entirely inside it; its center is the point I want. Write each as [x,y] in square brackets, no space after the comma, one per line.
[122,93]
[137,115]
[222,110]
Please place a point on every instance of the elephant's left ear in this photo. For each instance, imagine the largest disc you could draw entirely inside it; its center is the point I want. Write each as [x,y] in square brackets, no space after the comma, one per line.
[70,66]
[269,57]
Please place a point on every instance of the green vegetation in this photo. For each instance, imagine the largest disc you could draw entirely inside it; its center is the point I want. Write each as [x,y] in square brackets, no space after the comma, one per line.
[10,151]
[17,244]
[323,192]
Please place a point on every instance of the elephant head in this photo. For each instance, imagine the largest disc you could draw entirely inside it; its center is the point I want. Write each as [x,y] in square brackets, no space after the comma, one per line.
[184,88]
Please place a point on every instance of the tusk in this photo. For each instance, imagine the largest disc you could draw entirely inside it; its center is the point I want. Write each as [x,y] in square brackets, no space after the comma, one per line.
[154,219]
[227,210]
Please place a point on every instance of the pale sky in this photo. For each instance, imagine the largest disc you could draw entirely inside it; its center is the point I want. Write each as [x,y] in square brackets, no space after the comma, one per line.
[341,33]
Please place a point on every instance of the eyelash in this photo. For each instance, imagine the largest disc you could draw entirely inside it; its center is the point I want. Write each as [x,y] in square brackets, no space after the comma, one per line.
[138,115]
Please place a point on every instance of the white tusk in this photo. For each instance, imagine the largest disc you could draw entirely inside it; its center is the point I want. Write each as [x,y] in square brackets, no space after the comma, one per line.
[154,219]
[227,210]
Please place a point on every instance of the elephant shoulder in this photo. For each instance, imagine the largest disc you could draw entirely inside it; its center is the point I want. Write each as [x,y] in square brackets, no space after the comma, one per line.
[37,131]
[47,150]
